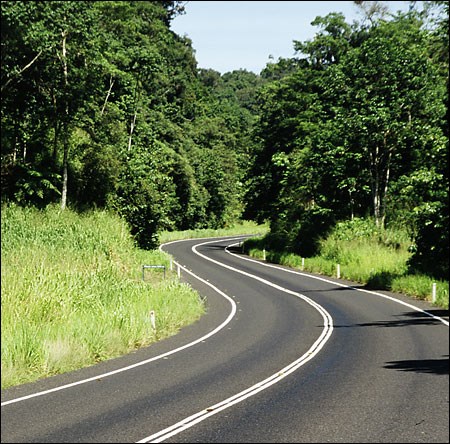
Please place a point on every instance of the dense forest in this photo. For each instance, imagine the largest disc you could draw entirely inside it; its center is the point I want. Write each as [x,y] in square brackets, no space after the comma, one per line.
[103,106]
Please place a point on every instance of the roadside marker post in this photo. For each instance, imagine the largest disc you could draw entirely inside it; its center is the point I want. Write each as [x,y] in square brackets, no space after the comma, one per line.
[153,319]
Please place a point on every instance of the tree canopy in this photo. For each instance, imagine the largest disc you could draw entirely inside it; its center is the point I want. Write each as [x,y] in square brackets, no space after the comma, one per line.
[103,106]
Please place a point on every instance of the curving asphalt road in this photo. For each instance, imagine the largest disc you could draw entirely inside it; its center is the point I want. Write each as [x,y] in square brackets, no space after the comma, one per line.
[280,356]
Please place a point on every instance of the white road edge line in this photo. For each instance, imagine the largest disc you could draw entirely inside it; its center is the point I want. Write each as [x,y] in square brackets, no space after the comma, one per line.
[262,385]
[445,322]
[200,416]
[129,367]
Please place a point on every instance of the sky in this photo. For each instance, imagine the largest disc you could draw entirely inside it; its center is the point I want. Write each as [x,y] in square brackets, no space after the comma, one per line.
[231,35]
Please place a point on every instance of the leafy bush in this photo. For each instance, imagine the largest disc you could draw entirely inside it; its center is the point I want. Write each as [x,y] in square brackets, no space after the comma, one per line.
[431,255]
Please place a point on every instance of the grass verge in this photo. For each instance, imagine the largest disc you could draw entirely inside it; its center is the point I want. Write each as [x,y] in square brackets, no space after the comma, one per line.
[73,293]
[237,229]
[366,255]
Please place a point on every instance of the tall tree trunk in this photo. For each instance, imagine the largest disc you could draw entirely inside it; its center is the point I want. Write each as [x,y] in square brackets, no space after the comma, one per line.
[386,174]
[56,127]
[65,127]
[385,190]
[65,173]
[17,74]
[352,206]
[377,201]
[16,141]
[137,95]
[380,171]
[375,184]
[133,122]
[111,84]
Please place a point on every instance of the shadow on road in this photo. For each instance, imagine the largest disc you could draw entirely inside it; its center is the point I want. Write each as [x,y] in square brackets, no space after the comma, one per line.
[436,366]
[405,320]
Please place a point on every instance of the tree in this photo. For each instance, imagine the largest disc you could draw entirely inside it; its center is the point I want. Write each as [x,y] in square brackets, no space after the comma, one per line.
[356,118]
[329,45]
[429,185]
[390,90]
[57,34]
[292,177]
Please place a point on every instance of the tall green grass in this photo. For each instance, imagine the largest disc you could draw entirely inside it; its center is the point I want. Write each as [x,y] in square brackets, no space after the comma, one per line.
[365,254]
[73,293]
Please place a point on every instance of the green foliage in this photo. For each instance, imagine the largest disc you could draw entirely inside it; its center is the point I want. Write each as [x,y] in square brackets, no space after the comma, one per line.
[30,186]
[118,110]
[431,254]
[76,280]
[356,128]
[421,287]
[146,195]
[377,258]
[103,105]
[331,44]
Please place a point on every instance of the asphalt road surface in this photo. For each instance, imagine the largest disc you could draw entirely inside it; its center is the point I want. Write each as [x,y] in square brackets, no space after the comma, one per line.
[280,356]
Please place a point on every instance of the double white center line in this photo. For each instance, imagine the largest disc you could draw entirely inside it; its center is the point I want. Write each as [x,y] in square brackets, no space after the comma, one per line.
[262,385]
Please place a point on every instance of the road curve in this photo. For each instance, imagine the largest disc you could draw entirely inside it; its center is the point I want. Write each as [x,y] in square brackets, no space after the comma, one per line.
[280,356]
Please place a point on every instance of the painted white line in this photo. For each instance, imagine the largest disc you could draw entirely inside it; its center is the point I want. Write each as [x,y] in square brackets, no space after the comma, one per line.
[202,415]
[129,367]
[262,385]
[444,321]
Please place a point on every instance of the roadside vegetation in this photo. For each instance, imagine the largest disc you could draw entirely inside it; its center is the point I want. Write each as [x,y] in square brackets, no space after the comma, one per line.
[113,141]
[377,258]
[73,293]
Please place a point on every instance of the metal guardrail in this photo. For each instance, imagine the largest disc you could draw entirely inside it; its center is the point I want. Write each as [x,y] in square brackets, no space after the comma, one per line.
[152,266]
